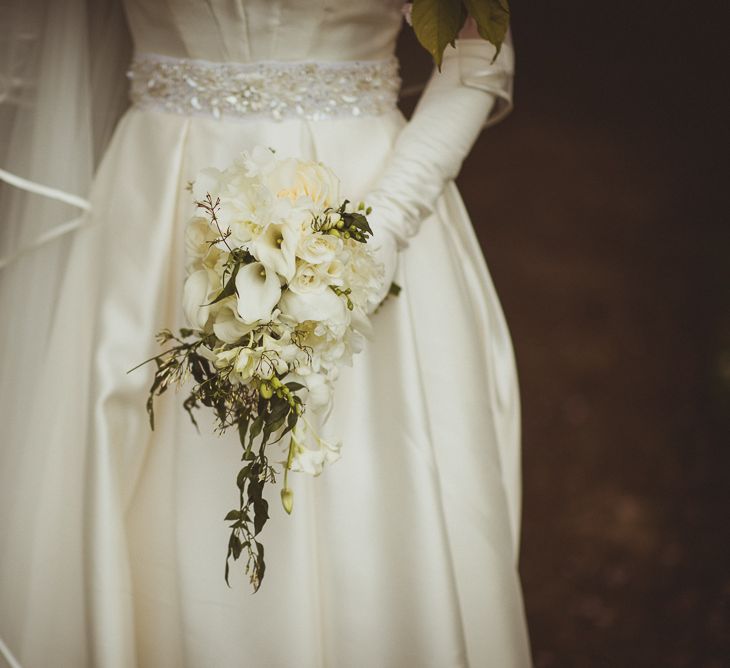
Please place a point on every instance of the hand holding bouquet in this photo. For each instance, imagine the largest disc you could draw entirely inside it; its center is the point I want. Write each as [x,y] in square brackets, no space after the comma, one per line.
[280,282]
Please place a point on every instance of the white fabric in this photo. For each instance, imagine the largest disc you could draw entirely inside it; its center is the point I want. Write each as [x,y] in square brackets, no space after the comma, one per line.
[402,554]
[61,92]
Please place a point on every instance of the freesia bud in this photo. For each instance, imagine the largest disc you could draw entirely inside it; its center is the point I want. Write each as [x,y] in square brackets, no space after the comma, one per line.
[287,499]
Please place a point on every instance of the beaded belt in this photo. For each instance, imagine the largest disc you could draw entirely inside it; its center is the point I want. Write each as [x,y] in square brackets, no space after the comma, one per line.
[278,90]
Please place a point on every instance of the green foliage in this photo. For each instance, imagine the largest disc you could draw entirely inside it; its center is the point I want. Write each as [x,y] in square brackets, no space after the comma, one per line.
[229,288]
[437,22]
[346,224]
[260,418]
[492,17]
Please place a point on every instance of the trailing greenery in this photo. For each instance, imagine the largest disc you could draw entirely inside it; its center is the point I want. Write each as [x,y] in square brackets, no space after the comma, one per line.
[262,413]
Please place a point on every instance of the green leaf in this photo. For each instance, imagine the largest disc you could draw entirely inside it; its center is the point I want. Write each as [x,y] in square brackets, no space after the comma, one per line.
[233,515]
[279,409]
[235,546]
[228,568]
[255,489]
[492,17]
[261,514]
[255,430]
[275,425]
[242,429]
[229,288]
[436,23]
[295,386]
[357,220]
[243,476]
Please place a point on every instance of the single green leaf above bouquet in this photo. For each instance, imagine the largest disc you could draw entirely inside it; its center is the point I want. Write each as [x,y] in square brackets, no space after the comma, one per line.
[437,23]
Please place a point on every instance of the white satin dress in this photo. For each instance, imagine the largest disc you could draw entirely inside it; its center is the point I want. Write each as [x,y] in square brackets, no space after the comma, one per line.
[403,553]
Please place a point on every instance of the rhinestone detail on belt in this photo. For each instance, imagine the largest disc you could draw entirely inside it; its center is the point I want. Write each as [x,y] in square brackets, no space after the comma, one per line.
[278,90]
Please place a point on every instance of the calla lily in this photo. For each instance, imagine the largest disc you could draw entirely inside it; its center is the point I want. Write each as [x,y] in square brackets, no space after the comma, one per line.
[195,296]
[227,327]
[258,291]
[323,306]
[276,248]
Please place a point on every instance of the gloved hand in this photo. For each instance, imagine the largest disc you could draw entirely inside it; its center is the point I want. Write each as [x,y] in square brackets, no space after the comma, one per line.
[385,248]
[430,149]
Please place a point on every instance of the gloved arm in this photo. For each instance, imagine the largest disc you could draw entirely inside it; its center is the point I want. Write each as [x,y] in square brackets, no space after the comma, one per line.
[430,149]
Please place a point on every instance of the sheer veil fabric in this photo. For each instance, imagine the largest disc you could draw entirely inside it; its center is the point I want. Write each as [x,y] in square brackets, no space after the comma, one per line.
[404,552]
[62,90]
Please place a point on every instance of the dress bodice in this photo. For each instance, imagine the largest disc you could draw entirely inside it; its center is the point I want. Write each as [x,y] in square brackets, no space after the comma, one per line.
[254,30]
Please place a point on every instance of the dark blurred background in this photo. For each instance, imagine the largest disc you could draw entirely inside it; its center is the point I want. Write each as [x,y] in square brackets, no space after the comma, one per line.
[601,213]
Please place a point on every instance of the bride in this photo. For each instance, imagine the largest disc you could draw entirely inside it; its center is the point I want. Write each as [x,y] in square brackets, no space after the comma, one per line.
[112,541]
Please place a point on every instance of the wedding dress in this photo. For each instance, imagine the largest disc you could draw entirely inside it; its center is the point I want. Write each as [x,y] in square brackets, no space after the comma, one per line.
[401,554]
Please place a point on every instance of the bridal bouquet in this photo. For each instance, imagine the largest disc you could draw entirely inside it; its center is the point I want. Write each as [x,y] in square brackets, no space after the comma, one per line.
[279,281]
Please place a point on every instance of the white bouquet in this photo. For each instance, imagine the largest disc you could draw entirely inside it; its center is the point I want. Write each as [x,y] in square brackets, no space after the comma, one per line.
[280,282]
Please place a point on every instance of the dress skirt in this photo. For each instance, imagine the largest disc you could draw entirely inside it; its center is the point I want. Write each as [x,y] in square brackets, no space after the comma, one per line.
[403,553]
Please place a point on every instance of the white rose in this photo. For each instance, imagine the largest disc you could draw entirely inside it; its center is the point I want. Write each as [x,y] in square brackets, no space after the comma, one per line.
[307,279]
[319,248]
[296,179]
[318,183]
[332,272]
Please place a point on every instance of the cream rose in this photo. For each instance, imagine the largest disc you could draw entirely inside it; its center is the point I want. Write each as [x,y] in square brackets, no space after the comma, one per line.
[307,279]
[319,248]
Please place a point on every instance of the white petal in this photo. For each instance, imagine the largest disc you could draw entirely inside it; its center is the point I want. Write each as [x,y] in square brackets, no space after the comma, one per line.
[320,392]
[276,248]
[207,182]
[228,328]
[324,306]
[195,296]
[361,323]
[258,291]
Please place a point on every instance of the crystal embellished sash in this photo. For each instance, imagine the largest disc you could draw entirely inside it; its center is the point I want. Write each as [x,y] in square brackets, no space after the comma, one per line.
[278,90]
